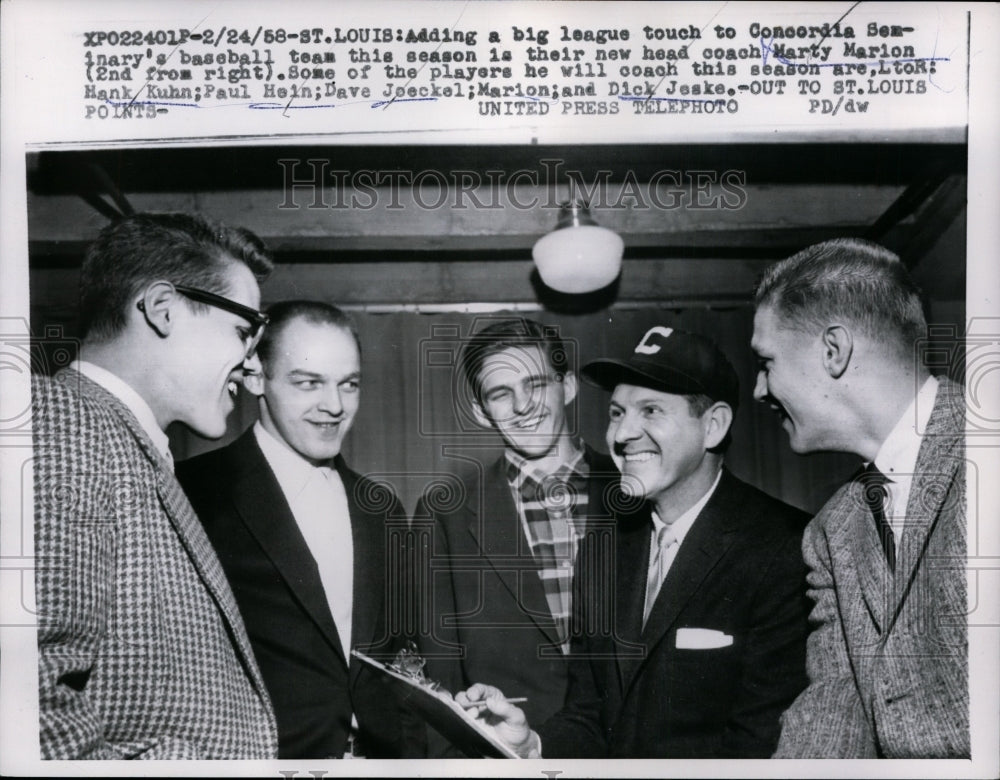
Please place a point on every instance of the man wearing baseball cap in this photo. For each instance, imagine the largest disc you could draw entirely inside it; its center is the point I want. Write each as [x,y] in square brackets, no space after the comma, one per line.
[691,613]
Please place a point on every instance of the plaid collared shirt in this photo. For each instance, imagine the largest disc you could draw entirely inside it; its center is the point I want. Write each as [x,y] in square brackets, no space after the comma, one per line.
[553,510]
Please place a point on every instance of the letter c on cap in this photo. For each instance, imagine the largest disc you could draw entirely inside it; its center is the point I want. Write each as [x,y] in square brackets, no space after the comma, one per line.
[651,349]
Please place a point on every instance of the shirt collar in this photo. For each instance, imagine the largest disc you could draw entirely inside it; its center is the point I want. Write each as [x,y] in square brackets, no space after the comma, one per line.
[134,402]
[519,467]
[898,453]
[290,469]
[683,524]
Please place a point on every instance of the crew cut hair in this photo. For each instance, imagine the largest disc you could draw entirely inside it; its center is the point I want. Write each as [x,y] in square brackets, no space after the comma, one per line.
[846,279]
[139,249]
[282,314]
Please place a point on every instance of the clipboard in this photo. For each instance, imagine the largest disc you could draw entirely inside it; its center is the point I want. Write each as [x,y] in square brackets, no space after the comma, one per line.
[440,710]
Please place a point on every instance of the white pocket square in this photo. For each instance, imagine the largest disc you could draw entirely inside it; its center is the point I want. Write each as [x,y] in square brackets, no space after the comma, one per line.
[701,639]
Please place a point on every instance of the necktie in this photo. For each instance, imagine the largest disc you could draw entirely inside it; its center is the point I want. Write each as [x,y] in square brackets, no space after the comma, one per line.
[874,491]
[665,539]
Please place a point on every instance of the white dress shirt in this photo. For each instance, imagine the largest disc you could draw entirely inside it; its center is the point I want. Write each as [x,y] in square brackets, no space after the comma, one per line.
[657,569]
[897,457]
[135,403]
[318,502]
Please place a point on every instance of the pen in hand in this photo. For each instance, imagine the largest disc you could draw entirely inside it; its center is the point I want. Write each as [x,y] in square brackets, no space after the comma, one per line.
[482,702]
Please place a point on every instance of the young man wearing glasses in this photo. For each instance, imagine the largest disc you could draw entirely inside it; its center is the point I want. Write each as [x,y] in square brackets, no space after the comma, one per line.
[141,649]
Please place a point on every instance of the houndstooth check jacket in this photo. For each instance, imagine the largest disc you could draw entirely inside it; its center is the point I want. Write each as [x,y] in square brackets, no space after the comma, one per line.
[888,656]
[141,649]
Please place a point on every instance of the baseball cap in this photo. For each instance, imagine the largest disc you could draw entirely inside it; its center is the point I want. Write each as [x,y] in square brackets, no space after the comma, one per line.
[671,361]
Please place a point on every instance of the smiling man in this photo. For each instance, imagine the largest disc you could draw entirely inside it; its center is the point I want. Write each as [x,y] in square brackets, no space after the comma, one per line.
[836,332]
[503,555]
[694,643]
[141,649]
[303,541]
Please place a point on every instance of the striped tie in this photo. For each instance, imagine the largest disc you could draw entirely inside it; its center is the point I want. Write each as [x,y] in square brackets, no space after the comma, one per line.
[665,539]
[875,494]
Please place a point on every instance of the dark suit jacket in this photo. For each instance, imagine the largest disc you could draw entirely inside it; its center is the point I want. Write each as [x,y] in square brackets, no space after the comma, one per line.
[489,620]
[888,658]
[635,694]
[276,582]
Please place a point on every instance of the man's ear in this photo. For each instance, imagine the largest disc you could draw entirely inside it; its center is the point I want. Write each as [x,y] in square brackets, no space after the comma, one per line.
[155,305]
[253,375]
[838,346]
[570,387]
[718,418]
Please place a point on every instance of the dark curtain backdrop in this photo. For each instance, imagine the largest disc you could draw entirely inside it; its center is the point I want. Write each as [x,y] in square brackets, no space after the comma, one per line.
[414,429]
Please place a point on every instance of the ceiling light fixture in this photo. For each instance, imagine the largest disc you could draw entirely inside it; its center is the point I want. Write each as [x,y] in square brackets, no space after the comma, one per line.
[579,256]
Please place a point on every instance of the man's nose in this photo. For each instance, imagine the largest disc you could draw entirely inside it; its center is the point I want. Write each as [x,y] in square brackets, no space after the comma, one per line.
[524,400]
[760,387]
[330,401]
[626,429]
[252,364]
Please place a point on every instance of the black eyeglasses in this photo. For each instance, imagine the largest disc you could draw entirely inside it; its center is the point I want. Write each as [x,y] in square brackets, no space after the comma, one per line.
[256,319]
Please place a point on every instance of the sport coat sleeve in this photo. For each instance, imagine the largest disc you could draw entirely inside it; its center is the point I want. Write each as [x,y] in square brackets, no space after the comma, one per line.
[75,574]
[773,658]
[434,598]
[578,729]
[828,719]
[413,731]
[75,584]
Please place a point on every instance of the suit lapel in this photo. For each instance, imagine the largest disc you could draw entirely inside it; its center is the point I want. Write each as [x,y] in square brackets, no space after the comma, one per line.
[497,529]
[856,538]
[705,543]
[188,529]
[369,537]
[852,530]
[261,505]
[192,536]
[631,567]
[938,462]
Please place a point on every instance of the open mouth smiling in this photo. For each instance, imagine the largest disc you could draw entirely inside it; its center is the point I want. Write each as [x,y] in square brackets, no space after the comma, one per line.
[325,424]
[638,457]
[531,423]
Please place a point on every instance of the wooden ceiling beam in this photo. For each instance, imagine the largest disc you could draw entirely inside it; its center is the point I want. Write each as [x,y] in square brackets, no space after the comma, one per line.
[734,244]
[768,218]
[659,281]
[940,209]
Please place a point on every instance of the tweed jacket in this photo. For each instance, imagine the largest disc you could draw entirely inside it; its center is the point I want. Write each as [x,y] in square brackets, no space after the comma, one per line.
[722,653]
[141,649]
[888,654]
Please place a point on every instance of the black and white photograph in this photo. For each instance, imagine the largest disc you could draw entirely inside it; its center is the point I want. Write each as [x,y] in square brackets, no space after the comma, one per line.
[644,354]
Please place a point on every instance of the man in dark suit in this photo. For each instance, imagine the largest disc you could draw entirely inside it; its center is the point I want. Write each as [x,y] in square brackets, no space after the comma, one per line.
[836,332]
[305,542]
[141,650]
[691,612]
[501,558]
